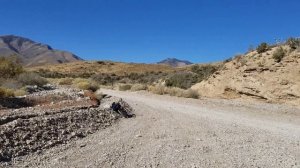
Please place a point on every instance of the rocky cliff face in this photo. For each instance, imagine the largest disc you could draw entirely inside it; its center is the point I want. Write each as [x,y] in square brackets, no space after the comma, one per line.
[257,76]
[32,53]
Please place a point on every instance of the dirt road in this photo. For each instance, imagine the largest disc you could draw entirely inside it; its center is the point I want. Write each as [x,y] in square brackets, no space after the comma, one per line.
[179,132]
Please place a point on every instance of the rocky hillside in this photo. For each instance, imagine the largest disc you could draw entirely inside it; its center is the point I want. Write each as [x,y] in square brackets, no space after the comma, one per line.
[261,76]
[173,62]
[32,53]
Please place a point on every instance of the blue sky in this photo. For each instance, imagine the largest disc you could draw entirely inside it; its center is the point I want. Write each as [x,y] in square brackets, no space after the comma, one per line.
[151,30]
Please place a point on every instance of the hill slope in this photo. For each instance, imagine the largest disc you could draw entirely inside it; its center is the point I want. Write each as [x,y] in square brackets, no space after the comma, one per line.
[257,76]
[32,53]
[174,62]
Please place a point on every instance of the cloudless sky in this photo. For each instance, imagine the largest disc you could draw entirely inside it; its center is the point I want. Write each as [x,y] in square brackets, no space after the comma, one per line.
[151,30]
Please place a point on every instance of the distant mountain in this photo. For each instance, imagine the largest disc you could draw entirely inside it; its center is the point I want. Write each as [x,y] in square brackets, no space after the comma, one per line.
[32,53]
[174,62]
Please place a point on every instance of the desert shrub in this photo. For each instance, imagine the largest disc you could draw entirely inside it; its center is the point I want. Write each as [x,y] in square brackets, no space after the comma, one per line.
[190,93]
[278,54]
[11,83]
[31,78]
[137,87]
[182,80]
[157,89]
[263,47]
[204,71]
[9,67]
[124,87]
[5,92]
[293,43]
[87,85]
[20,92]
[105,79]
[66,81]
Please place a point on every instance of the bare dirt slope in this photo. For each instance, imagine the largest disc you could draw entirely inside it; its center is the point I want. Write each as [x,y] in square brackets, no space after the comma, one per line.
[178,132]
[257,76]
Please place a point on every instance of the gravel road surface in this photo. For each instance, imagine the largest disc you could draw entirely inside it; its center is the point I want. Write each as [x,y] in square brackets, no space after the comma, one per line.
[179,132]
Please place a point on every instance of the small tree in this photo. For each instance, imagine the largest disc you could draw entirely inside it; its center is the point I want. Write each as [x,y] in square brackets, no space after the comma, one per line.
[263,47]
[278,54]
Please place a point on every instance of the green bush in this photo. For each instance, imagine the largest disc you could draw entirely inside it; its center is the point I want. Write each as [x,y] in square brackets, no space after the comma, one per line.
[263,47]
[9,67]
[294,43]
[278,54]
[31,78]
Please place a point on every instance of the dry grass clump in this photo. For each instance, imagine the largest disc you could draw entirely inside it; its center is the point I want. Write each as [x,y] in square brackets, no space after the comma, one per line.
[157,89]
[124,87]
[173,91]
[31,78]
[66,81]
[20,92]
[4,92]
[85,84]
[137,87]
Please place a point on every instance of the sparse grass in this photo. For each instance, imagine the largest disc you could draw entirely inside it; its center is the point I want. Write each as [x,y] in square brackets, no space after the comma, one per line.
[137,87]
[20,92]
[124,87]
[85,84]
[157,89]
[4,92]
[173,91]
[31,78]
[66,81]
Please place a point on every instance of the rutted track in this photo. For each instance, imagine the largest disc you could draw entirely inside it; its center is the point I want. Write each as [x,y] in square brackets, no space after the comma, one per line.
[178,132]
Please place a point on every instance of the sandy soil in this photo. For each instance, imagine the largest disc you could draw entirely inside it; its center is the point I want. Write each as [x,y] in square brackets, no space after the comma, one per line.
[178,132]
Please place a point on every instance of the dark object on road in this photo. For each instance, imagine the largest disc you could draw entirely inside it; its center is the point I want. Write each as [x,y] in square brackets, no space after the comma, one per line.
[122,108]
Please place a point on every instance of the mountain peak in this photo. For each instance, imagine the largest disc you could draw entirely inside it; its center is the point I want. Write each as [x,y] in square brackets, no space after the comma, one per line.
[174,62]
[33,53]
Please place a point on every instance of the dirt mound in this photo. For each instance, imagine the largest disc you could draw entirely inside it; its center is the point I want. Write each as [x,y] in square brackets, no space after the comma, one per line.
[257,77]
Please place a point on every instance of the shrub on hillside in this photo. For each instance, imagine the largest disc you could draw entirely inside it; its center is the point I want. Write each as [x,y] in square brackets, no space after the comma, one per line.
[205,71]
[31,78]
[182,80]
[263,47]
[124,87]
[278,54]
[9,67]
[293,43]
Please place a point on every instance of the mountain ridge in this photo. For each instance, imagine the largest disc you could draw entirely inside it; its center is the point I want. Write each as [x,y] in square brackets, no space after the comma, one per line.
[33,53]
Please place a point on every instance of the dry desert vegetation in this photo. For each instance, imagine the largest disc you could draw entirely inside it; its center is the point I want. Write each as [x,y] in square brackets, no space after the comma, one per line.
[243,112]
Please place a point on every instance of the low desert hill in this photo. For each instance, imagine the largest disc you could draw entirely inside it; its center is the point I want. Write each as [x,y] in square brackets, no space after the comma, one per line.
[173,62]
[32,53]
[104,67]
[262,76]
